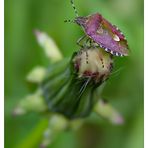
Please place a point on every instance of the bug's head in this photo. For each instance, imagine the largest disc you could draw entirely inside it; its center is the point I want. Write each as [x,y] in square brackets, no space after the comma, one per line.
[80,21]
[90,22]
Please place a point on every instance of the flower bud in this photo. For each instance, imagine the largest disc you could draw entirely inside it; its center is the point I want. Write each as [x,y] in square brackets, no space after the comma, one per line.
[93,63]
[71,92]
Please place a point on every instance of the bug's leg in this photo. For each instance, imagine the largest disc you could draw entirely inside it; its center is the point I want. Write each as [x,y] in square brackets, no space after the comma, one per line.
[90,42]
[79,41]
[93,44]
[87,43]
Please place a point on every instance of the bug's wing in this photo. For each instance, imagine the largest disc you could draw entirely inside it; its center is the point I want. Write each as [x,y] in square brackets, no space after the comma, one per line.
[110,38]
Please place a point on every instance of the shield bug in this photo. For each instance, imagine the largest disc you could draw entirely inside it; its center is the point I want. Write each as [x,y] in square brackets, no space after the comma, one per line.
[100,31]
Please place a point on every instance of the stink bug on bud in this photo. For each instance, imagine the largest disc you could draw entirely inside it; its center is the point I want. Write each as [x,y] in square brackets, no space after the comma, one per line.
[98,30]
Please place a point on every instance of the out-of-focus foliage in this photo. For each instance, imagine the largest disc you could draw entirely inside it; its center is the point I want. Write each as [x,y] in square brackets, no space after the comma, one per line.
[124,89]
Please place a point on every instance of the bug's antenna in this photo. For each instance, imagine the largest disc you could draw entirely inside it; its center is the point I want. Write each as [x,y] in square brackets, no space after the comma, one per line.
[68,21]
[73,5]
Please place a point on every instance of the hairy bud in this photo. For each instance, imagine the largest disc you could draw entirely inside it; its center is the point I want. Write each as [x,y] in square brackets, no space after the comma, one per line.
[72,91]
[93,63]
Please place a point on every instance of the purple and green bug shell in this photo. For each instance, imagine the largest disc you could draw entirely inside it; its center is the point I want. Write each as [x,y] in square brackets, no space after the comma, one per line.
[105,34]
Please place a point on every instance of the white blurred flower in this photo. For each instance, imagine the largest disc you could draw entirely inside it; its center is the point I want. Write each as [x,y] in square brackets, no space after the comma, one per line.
[49,46]
[32,102]
[37,74]
[107,111]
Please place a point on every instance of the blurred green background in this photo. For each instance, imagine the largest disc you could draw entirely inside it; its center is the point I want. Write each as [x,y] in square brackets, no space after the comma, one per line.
[124,89]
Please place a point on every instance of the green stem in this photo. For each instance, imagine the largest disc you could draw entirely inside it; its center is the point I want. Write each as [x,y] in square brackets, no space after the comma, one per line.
[34,137]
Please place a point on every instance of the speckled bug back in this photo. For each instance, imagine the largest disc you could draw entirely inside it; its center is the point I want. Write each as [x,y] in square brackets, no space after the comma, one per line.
[104,34]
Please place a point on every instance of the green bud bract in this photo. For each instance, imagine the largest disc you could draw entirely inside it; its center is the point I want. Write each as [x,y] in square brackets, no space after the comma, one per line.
[71,91]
